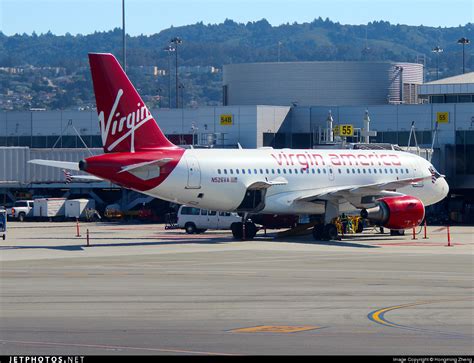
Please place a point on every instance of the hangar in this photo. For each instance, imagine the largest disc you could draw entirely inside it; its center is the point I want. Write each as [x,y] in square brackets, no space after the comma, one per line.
[321,83]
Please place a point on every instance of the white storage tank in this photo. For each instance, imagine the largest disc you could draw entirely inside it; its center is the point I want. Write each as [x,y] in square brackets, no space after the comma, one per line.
[49,207]
[76,208]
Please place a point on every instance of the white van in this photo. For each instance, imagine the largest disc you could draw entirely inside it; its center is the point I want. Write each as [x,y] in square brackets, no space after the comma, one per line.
[196,220]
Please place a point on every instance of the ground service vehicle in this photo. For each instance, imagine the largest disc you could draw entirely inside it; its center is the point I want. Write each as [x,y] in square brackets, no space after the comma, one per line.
[3,223]
[196,220]
[22,209]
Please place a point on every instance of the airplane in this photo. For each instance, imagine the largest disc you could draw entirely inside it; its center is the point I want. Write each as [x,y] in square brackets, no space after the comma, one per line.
[390,187]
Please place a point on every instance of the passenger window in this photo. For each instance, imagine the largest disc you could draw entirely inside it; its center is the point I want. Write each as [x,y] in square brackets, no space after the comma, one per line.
[266,170]
[296,171]
[324,171]
[289,171]
[278,171]
[243,171]
[261,171]
[237,171]
[203,212]
[212,212]
[222,214]
[273,171]
[284,171]
[250,171]
[231,171]
[225,171]
[218,171]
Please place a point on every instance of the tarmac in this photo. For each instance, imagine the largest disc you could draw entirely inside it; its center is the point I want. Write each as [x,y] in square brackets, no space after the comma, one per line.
[141,289]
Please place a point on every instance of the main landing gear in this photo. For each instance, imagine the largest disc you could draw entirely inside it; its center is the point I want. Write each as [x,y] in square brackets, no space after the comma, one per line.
[245,230]
[327,231]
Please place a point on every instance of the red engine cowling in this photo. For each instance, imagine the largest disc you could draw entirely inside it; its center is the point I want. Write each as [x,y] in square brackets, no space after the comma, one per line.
[396,212]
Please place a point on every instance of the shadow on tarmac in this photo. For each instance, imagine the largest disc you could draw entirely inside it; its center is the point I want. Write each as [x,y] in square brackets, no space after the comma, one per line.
[211,240]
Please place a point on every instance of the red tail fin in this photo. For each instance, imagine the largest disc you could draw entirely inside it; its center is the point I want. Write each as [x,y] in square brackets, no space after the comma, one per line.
[126,125]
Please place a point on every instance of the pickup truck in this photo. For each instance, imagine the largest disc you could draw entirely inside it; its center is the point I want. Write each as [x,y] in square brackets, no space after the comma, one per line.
[22,209]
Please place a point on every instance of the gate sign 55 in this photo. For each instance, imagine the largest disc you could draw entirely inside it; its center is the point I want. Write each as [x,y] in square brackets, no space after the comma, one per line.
[344,130]
[442,117]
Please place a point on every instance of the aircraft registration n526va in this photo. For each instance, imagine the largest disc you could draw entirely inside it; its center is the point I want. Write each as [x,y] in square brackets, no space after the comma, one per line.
[391,187]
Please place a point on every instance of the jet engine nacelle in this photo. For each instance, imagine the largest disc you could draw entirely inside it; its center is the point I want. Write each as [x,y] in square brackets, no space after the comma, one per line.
[396,212]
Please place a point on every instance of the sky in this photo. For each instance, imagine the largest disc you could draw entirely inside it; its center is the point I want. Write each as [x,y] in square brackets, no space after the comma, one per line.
[152,16]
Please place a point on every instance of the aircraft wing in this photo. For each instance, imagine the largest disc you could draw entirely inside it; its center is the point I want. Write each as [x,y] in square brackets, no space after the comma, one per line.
[70,165]
[352,193]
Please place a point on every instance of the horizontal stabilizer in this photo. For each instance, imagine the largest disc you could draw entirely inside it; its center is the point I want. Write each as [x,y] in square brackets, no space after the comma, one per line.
[146,170]
[69,165]
[145,165]
[86,178]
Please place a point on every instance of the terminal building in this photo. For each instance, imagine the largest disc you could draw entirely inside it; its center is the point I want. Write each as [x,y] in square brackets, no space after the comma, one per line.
[442,113]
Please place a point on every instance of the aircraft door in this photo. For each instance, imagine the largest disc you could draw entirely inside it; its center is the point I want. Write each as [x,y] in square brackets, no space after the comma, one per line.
[194,173]
[330,171]
[416,172]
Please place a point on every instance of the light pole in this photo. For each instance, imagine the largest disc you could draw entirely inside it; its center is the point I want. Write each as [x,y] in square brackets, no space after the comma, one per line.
[169,49]
[181,87]
[124,55]
[176,41]
[160,91]
[463,41]
[194,129]
[437,50]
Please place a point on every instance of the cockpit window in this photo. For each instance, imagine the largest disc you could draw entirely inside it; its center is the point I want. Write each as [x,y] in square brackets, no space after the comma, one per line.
[434,172]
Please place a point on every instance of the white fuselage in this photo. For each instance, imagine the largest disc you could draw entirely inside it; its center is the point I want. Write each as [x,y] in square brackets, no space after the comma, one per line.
[218,179]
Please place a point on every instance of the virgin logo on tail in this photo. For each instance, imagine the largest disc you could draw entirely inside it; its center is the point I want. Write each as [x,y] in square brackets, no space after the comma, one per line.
[116,123]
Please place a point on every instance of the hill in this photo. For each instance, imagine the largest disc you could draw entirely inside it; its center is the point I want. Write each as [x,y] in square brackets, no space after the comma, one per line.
[216,45]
